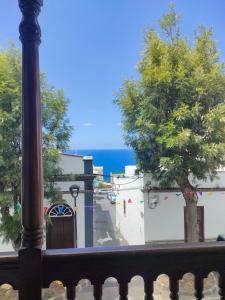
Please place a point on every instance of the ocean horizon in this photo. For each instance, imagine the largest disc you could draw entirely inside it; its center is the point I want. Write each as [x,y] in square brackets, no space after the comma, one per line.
[112,160]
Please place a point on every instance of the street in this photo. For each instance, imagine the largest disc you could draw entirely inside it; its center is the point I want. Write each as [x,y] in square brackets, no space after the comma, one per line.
[105,232]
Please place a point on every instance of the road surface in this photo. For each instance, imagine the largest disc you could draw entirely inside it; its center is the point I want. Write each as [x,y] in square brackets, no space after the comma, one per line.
[105,231]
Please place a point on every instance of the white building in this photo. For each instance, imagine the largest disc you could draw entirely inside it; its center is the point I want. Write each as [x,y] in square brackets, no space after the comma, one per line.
[129,205]
[82,167]
[98,171]
[158,215]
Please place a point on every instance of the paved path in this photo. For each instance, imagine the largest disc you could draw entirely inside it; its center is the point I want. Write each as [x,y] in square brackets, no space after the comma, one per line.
[105,232]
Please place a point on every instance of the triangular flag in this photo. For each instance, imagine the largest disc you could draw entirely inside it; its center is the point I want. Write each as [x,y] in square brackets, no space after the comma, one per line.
[45,209]
[18,206]
[191,194]
[165,198]
[178,194]
[200,193]
[76,209]
[129,201]
[209,193]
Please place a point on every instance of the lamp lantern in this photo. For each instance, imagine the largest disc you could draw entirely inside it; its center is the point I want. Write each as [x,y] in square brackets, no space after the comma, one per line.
[74,190]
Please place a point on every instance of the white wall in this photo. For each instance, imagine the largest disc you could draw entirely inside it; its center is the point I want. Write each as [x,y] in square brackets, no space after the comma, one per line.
[166,221]
[5,247]
[73,164]
[218,182]
[131,224]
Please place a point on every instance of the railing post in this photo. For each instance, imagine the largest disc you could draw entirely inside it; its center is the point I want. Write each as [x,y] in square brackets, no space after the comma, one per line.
[32,188]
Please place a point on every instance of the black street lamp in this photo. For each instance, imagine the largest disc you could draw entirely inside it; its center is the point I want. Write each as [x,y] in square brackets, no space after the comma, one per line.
[74,191]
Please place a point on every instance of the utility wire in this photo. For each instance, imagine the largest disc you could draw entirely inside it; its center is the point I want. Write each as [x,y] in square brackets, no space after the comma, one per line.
[118,176]
[128,182]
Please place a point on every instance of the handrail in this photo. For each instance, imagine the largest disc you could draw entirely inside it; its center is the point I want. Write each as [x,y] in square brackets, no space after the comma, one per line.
[206,247]
[123,263]
[8,257]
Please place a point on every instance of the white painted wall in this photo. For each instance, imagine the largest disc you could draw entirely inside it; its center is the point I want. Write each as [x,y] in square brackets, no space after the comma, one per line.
[73,164]
[5,247]
[166,221]
[131,224]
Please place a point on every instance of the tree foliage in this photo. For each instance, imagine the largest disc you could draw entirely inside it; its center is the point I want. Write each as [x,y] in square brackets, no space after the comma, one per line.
[174,115]
[56,133]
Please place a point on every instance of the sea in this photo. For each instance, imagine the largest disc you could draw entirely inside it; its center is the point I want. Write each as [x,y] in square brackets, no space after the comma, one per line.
[112,160]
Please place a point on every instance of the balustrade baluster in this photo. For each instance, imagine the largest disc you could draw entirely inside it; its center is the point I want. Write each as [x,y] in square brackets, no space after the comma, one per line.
[98,291]
[222,286]
[174,288]
[199,287]
[149,289]
[71,292]
[123,290]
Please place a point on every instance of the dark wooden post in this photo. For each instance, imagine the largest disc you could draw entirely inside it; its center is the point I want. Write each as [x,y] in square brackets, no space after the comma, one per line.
[88,186]
[32,188]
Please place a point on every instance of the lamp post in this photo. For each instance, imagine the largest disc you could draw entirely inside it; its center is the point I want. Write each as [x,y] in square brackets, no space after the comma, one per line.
[74,191]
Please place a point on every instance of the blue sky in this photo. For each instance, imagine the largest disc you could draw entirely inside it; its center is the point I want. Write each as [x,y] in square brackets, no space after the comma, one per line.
[90,46]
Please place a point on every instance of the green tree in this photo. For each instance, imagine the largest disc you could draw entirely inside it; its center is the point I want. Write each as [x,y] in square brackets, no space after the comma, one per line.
[174,114]
[56,133]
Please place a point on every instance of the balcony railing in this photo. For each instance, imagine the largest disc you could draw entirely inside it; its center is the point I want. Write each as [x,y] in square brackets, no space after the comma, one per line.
[123,263]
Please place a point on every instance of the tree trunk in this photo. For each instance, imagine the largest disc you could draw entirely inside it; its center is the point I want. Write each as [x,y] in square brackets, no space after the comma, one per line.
[192,224]
[191,200]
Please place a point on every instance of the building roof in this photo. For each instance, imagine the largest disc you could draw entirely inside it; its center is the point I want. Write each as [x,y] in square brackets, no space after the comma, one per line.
[70,154]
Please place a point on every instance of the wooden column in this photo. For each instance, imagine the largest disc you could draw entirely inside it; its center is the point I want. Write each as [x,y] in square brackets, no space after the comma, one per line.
[32,187]
[89,212]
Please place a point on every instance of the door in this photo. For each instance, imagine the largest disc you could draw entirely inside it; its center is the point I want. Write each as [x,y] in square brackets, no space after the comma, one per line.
[60,231]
